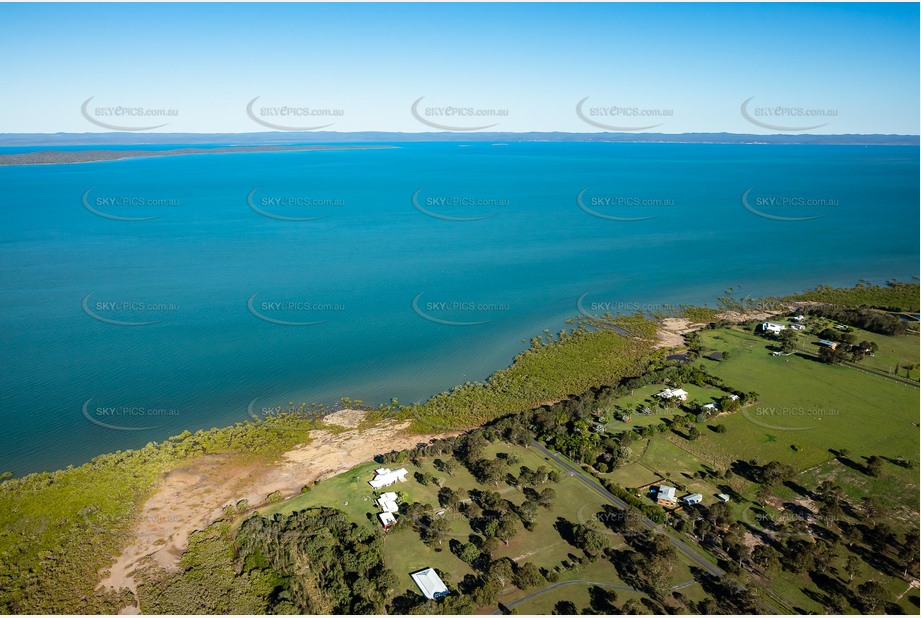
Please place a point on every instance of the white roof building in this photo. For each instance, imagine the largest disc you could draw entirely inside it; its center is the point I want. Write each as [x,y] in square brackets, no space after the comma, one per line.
[386,476]
[770,327]
[387,519]
[709,406]
[692,499]
[429,583]
[669,393]
[723,497]
[666,493]
[388,506]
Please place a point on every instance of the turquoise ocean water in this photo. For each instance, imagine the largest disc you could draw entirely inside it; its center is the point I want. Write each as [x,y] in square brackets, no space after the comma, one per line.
[405,270]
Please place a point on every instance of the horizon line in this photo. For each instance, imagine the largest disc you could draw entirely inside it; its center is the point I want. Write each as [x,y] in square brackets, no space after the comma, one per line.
[460,133]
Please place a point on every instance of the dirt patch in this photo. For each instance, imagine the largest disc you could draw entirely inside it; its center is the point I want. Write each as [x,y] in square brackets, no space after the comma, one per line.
[192,496]
[806,503]
[350,419]
[671,331]
[750,540]
[737,317]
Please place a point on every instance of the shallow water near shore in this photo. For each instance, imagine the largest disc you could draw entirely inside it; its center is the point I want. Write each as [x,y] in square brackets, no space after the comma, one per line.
[144,297]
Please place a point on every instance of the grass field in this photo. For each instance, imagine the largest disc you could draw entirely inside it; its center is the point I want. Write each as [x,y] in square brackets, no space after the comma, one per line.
[804,409]
[404,551]
[600,571]
[805,403]
[645,396]
[893,353]
[349,492]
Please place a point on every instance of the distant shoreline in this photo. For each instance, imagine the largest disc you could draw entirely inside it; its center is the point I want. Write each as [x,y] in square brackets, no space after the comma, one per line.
[105,140]
[64,157]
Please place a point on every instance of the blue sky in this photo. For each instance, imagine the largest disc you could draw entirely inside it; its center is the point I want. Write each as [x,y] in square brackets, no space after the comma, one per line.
[685,67]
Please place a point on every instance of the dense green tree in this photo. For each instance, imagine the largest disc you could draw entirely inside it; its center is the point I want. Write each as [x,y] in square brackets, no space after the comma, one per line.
[766,557]
[528,576]
[589,539]
[872,596]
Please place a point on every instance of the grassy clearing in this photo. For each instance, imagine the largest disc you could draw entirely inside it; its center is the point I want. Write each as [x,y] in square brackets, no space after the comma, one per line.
[804,409]
[349,492]
[404,553]
[805,403]
[893,353]
[600,571]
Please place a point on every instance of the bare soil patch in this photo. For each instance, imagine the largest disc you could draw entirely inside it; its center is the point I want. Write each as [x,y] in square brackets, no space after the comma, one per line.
[193,495]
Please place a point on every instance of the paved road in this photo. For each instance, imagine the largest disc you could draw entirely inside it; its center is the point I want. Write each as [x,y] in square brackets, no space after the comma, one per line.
[582,582]
[691,553]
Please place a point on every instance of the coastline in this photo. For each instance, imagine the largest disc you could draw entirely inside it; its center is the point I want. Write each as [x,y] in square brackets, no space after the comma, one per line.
[201,488]
[173,489]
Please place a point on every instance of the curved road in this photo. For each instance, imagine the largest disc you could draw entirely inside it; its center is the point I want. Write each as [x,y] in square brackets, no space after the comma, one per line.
[583,582]
[690,552]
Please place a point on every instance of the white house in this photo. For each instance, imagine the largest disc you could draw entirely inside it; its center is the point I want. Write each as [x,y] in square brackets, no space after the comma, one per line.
[666,495]
[429,583]
[723,497]
[798,318]
[388,506]
[710,407]
[387,519]
[385,476]
[797,327]
[692,499]
[770,327]
[669,393]
[734,397]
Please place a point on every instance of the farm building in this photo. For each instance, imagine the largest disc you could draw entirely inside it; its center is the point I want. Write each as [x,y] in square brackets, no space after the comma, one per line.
[669,393]
[429,583]
[666,495]
[385,476]
[388,502]
[692,499]
[387,519]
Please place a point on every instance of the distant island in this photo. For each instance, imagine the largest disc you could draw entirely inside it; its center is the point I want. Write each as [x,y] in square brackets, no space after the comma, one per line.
[49,157]
[47,145]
